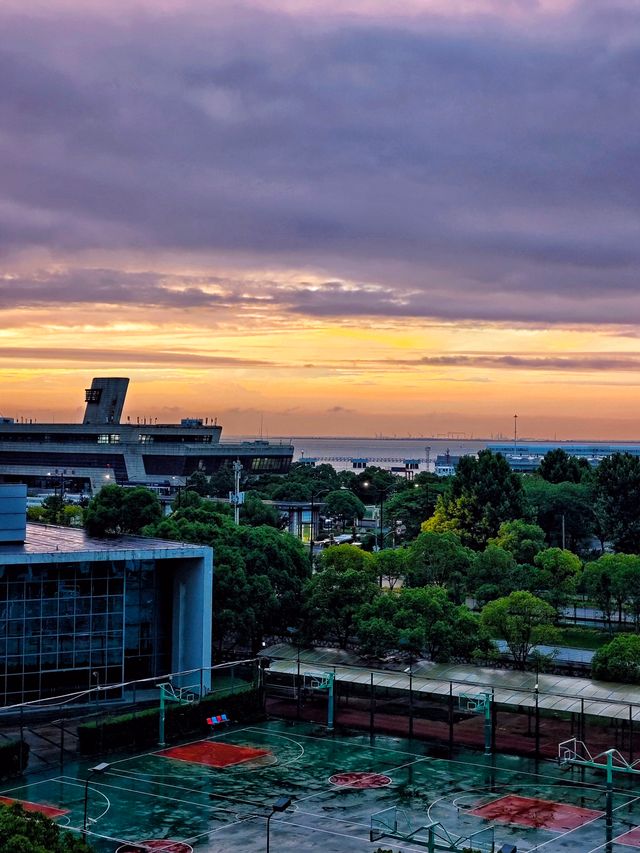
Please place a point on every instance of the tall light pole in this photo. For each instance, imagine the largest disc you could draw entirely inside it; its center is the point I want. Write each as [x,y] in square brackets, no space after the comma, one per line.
[314,495]
[280,805]
[99,768]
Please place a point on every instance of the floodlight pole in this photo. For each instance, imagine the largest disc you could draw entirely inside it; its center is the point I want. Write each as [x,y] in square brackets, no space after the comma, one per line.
[161,740]
[330,710]
[487,723]
[99,768]
[280,805]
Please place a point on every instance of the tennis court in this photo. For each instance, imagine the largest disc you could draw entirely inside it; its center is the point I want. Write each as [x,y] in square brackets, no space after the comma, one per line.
[215,795]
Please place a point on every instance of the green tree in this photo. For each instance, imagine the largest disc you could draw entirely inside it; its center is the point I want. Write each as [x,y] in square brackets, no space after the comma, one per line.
[346,557]
[410,506]
[390,564]
[558,467]
[420,620]
[559,575]
[484,493]
[22,832]
[491,574]
[343,505]
[259,571]
[520,539]
[439,559]
[255,512]
[523,621]
[618,499]
[619,660]
[612,581]
[332,598]
[551,504]
[115,511]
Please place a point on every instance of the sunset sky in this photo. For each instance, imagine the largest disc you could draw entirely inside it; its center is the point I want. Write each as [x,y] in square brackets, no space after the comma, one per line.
[332,216]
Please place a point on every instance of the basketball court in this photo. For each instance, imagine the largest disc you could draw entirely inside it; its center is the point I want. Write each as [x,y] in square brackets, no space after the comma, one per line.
[348,793]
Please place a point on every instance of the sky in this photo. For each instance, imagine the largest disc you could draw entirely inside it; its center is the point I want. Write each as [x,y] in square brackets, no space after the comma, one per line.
[347,217]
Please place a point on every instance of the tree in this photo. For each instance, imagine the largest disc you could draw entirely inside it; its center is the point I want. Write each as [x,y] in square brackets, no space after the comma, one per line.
[619,660]
[612,581]
[439,559]
[343,505]
[115,511]
[618,498]
[559,574]
[484,493]
[255,512]
[551,504]
[346,558]
[491,574]
[410,506]
[419,620]
[259,571]
[522,540]
[332,598]
[390,564]
[22,832]
[558,467]
[523,621]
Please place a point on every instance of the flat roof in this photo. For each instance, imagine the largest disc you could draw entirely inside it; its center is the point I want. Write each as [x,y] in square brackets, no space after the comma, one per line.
[66,544]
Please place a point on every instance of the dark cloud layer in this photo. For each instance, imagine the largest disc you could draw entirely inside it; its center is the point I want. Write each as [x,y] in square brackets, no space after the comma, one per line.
[454,169]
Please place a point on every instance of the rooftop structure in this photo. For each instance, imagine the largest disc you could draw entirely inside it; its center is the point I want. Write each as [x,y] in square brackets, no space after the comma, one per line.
[78,612]
[102,450]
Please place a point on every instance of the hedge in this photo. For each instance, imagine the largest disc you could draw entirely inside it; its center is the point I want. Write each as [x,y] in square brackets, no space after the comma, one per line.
[14,757]
[140,728]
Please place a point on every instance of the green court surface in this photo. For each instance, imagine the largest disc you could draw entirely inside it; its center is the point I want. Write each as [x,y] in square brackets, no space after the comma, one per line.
[217,798]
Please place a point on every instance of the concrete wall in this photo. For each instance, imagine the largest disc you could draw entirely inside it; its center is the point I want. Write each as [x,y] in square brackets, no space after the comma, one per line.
[193,619]
[13,512]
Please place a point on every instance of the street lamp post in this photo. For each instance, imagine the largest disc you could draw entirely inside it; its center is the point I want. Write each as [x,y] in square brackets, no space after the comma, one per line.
[313,497]
[280,805]
[99,768]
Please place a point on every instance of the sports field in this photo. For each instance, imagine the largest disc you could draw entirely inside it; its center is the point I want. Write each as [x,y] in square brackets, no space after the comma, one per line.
[215,795]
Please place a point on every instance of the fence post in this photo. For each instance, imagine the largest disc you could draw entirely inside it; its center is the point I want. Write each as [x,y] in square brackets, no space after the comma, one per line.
[450,718]
[631,733]
[372,703]
[537,726]
[494,720]
[61,744]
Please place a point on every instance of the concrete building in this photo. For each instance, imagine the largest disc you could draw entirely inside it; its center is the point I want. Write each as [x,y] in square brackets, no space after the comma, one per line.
[101,450]
[78,612]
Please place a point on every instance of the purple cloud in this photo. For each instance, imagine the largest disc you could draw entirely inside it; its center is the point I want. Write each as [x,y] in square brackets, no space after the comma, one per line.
[458,167]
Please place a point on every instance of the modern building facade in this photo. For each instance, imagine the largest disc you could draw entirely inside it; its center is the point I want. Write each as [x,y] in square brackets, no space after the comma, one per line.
[102,450]
[77,613]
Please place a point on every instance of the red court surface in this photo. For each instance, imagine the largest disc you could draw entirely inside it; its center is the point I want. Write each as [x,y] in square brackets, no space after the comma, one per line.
[359,781]
[214,754]
[631,838]
[163,844]
[48,811]
[538,814]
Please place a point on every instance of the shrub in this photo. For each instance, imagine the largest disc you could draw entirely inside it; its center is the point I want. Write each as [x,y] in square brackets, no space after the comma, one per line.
[34,833]
[140,729]
[14,757]
[619,660]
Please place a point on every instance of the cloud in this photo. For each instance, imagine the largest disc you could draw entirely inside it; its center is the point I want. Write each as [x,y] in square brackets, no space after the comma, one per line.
[457,165]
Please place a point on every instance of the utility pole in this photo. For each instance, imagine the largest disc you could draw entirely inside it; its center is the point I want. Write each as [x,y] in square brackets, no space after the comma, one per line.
[515,433]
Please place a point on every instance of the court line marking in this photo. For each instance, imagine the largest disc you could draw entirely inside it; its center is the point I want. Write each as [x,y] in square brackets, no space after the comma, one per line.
[76,784]
[588,823]
[188,743]
[159,776]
